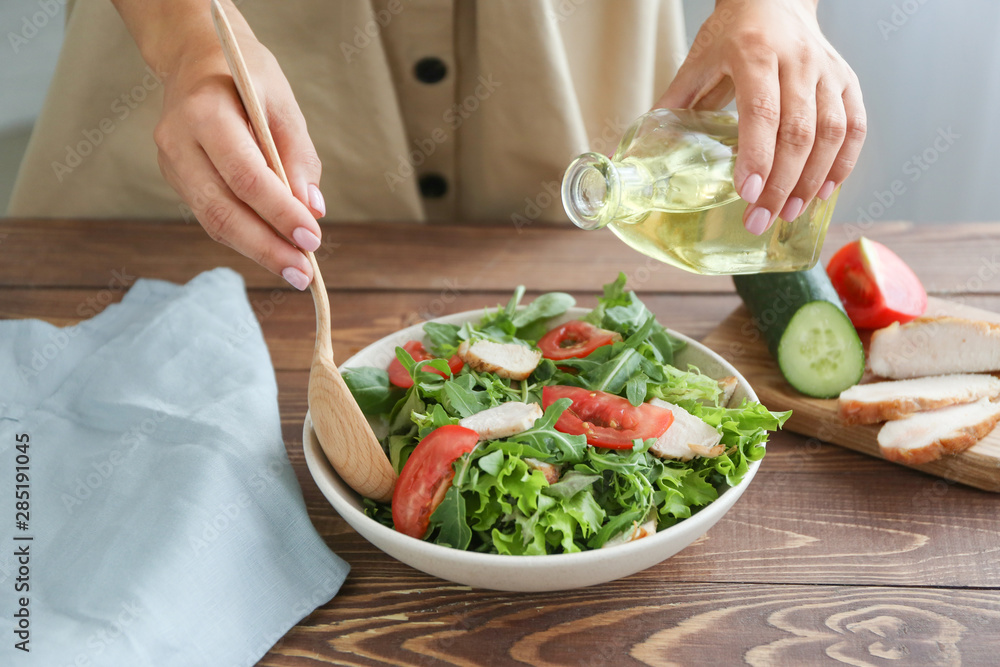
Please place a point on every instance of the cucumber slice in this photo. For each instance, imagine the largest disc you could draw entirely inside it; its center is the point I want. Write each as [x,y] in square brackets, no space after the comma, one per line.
[820,353]
[806,328]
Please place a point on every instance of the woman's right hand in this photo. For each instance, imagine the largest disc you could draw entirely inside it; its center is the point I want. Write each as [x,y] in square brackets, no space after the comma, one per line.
[208,154]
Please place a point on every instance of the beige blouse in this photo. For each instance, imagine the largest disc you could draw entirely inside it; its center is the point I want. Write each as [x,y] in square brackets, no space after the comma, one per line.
[421,110]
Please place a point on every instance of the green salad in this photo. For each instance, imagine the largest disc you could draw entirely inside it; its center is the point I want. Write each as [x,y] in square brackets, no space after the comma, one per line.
[590,463]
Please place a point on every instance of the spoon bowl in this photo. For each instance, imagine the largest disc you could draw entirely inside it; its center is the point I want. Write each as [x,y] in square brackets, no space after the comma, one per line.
[345,435]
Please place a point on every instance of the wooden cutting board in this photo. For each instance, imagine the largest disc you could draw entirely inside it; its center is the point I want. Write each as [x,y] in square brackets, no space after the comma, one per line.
[738,340]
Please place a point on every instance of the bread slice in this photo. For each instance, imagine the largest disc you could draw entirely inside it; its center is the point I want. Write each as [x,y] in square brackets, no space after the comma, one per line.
[927,436]
[881,401]
[935,346]
[508,360]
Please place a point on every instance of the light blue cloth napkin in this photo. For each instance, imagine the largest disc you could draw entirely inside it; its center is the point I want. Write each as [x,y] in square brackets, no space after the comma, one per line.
[167,525]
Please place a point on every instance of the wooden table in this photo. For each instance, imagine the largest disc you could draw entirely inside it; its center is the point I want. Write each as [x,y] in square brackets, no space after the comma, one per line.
[829,557]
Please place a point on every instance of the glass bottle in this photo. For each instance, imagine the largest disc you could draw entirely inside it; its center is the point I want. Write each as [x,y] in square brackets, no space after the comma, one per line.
[668,192]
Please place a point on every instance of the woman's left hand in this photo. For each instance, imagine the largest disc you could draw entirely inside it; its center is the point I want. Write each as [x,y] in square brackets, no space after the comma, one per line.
[801,117]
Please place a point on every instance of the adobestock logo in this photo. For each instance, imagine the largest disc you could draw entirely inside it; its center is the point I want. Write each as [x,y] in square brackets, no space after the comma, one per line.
[101,471]
[48,10]
[121,108]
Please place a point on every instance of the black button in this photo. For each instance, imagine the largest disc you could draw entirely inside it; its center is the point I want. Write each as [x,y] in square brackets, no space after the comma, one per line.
[430,70]
[433,186]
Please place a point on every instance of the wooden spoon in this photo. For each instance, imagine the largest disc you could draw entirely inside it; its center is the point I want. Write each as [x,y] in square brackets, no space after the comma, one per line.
[344,433]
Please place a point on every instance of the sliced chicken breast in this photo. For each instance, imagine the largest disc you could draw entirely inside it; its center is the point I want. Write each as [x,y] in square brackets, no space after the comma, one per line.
[881,401]
[504,420]
[635,532]
[728,385]
[927,436]
[550,471]
[687,437]
[935,346]
[508,360]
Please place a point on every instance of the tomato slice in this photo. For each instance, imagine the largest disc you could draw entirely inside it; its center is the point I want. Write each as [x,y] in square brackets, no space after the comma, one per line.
[574,339]
[398,375]
[425,478]
[876,287]
[607,420]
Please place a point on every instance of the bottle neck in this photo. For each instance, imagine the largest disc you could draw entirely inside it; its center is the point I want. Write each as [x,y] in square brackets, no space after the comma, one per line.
[594,187]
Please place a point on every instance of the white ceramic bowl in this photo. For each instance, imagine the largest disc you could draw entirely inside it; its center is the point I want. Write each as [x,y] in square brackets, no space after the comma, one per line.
[522,573]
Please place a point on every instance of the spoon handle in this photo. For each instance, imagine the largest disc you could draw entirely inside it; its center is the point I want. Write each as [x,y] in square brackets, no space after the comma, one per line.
[258,122]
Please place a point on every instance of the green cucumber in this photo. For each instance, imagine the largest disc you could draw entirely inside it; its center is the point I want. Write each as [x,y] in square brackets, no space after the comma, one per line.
[806,328]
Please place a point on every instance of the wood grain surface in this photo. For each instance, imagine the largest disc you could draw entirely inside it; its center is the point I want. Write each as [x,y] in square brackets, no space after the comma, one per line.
[952,259]
[738,340]
[831,556]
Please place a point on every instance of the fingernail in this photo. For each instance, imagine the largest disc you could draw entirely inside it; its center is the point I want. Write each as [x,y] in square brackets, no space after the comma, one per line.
[295,278]
[793,209]
[316,200]
[757,222]
[827,190]
[305,239]
[752,187]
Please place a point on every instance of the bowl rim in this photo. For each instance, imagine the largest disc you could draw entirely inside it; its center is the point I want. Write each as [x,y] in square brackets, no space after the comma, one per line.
[327,478]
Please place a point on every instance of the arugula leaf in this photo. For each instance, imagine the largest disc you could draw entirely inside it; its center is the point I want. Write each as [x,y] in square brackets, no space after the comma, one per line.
[498,388]
[414,367]
[400,447]
[426,365]
[515,300]
[614,295]
[544,307]
[545,370]
[400,419]
[614,374]
[443,338]
[635,389]
[556,446]
[571,484]
[524,326]
[371,389]
[463,401]
[405,358]
[449,518]
[380,512]
[496,326]
[618,461]
[435,418]
[621,311]
[626,318]
[520,449]
[665,345]
[614,292]
[615,525]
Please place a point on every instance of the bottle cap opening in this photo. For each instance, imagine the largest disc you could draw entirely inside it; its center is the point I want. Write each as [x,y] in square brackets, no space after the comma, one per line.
[591,191]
